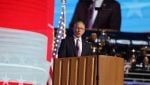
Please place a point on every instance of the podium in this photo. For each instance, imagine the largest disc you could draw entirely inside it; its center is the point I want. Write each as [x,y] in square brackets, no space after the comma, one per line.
[83,70]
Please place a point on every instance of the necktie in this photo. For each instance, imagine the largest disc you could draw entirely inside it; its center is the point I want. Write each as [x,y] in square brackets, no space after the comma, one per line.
[77,48]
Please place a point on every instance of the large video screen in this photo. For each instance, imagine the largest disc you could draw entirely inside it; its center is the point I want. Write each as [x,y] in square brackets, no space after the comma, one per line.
[135,14]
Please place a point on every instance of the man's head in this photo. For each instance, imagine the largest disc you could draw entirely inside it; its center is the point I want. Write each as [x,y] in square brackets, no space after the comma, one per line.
[93,36]
[79,29]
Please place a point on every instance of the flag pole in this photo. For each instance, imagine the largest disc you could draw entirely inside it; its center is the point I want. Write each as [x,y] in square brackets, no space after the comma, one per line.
[64,9]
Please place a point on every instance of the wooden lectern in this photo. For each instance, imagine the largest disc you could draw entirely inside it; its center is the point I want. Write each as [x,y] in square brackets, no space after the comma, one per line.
[83,71]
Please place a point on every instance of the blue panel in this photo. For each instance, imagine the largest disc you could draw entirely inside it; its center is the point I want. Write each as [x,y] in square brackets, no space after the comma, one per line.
[135,15]
[70,7]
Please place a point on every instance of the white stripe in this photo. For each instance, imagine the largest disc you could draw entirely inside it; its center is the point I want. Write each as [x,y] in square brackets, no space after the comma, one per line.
[50,25]
[23,66]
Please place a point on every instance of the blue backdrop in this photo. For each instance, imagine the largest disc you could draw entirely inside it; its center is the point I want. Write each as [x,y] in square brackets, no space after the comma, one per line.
[135,14]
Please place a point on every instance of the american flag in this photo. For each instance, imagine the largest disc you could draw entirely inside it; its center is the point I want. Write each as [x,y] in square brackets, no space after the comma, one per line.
[60,34]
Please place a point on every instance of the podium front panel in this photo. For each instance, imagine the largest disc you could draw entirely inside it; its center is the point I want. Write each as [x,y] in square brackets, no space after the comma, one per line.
[83,71]
[111,70]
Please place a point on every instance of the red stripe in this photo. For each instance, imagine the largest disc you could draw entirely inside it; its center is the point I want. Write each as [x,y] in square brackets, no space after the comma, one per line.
[13,83]
[51,72]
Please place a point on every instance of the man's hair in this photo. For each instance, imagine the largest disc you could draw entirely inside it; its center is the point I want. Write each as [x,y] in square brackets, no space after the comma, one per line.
[75,24]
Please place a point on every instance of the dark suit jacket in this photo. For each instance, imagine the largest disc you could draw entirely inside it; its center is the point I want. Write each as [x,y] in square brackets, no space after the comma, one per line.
[67,48]
[108,17]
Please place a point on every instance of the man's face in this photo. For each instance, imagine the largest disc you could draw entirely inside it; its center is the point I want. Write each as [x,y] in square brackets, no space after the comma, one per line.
[79,29]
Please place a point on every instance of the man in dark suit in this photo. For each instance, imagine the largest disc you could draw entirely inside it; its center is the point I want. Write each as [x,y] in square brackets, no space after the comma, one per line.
[75,45]
[106,15]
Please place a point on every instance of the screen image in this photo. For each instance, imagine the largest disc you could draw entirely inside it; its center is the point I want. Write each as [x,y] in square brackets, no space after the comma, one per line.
[135,14]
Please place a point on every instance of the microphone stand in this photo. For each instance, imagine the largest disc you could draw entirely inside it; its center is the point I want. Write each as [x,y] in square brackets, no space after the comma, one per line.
[98,49]
[98,42]
[97,56]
